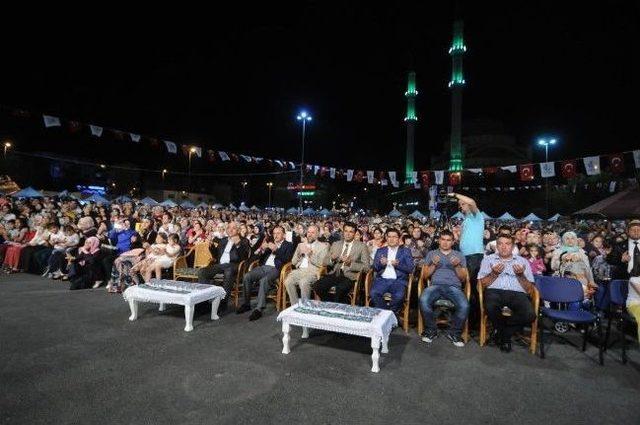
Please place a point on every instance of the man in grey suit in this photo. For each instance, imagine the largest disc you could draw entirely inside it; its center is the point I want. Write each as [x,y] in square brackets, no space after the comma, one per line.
[307,261]
[345,259]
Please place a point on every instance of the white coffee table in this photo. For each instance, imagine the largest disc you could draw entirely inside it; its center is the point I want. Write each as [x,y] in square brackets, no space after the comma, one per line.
[174,292]
[368,322]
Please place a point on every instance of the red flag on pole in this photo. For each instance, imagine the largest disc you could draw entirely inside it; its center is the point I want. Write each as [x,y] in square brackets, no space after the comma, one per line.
[616,163]
[454,179]
[526,172]
[424,179]
[569,169]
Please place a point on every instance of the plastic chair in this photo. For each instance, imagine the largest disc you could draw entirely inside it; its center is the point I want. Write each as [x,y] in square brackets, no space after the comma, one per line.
[618,291]
[565,290]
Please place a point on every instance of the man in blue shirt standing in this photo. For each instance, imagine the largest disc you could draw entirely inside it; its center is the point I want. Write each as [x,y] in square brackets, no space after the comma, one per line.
[472,247]
[445,268]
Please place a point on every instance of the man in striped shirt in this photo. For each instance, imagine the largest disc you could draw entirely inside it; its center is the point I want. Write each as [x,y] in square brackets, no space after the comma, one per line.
[506,279]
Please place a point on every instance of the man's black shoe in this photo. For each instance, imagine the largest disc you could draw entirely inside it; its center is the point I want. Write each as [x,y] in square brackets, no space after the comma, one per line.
[505,347]
[255,315]
[243,308]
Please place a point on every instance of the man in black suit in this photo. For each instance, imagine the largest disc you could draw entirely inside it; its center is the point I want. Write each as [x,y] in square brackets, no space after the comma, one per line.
[273,255]
[228,253]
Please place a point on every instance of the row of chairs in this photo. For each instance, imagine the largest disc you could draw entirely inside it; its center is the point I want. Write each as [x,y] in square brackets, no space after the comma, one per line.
[557,290]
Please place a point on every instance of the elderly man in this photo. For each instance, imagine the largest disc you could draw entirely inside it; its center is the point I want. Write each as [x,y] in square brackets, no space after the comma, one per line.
[508,279]
[345,259]
[307,261]
[227,252]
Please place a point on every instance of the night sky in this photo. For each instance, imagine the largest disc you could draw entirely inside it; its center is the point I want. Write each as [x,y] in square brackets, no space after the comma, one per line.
[234,79]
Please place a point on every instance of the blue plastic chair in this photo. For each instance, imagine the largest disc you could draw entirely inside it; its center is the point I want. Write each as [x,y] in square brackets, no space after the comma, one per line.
[564,291]
[618,291]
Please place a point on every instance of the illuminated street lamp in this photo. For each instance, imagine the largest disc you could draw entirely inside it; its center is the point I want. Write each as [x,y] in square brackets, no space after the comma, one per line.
[270,185]
[546,143]
[304,117]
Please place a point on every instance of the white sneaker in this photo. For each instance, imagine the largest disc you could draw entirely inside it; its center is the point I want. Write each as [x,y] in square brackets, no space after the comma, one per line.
[46,272]
[97,284]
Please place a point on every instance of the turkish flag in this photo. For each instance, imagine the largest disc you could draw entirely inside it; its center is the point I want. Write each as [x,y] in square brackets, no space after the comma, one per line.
[74,126]
[424,179]
[568,168]
[526,172]
[234,156]
[490,170]
[211,155]
[323,171]
[616,163]
[359,176]
[454,179]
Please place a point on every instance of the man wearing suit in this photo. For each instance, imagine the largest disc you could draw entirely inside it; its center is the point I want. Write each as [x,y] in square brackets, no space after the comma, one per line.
[345,259]
[273,255]
[228,253]
[392,264]
[307,261]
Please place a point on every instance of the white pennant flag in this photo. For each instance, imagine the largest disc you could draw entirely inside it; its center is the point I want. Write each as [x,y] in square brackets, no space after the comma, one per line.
[332,173]
[636,158]
[50,121]
[292,165]
[277,161]
[349,175]
[612,186]
[171,147]
[439,176]
[246,158]
[316,168]
[392,177]
[256,159]
[510,168]
[547,169]
[134,137]
[414,178]
[475,170]
[592,165]
[95,130]
[225,157]
[370,177]
[484,189]
[383,182]
[198,151]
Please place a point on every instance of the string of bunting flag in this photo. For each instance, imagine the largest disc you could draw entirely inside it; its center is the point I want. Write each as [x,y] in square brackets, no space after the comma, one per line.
[567,169]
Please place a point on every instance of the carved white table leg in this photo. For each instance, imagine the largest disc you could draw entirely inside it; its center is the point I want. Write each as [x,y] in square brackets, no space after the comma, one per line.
[163,307]
[285,338]
[188,317]
[385,344]
[305,332]
[214,308]
[375,356]
[133,306]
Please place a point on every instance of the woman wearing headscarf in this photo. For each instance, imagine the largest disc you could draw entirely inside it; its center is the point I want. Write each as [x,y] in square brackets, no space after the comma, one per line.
[569,260]
[84,268]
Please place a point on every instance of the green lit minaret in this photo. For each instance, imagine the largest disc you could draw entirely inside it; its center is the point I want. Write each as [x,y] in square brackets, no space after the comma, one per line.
[456,85]
[410,119]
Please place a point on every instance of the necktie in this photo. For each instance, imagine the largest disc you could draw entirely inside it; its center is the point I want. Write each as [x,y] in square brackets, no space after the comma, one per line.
[346,249]
[635,271]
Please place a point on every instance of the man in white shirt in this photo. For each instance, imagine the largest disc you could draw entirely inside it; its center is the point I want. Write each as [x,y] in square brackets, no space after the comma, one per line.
[307,261]
[273,255]
[631,262]
[167,226]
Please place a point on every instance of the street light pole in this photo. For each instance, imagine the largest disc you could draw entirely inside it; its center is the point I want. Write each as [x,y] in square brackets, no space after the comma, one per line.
[546,144]
[270,185]
[304,117]
[192,150]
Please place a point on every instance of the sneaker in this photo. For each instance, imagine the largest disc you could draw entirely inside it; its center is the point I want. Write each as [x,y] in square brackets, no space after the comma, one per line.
[429,335]
[455,339]
[46,272]
[97,284]
[49,276]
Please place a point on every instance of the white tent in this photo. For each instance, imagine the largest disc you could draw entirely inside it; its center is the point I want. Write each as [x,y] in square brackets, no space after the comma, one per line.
[203,205]
[217,206]
[395,213]
[243,207]
[232,207]
[324,211]
[435,214]
[292,210]
[458,216]
[555,217]
[506,217]
[149,201]
[531,217]
[168,203]
[309,211]
[486,216]
[96,199]
[417,215]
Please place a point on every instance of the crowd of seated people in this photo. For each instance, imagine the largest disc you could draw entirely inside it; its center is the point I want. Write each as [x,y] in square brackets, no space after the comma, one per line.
[93,246]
